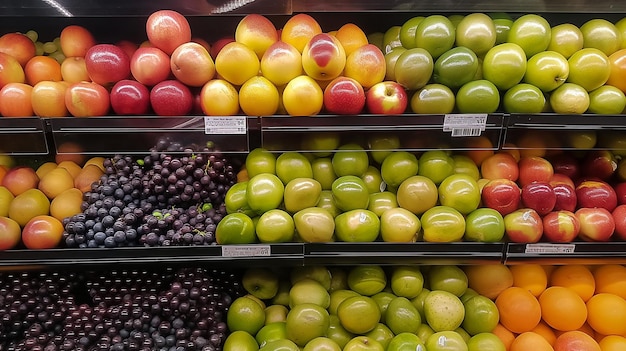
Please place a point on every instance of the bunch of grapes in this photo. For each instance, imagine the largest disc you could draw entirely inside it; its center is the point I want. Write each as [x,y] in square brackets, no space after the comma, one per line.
[187,183]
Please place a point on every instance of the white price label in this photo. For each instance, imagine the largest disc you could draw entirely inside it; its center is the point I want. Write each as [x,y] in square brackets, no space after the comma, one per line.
[246,250]
[462,125]
[225,125]
[550,248]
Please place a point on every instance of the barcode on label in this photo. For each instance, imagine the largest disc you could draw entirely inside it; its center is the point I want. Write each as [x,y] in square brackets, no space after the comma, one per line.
[246,250]
[462,132]
[550,248]
[225,125]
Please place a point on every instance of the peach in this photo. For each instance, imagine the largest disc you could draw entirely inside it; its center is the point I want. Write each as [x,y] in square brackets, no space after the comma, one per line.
[19,46]
[55,182]
[299,30]
[256,32]
[366,65]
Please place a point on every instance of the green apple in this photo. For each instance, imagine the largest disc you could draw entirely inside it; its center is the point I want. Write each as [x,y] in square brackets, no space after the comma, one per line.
[265,192]
[245,314]
[446,340]
[447,278]
[337,297]
[322,143]
[382,334]
[484,225]
[469,293]
[621,28]
[314,225]
[463,334]
[399,225]
[413,68]
[282,295]
[433,99]
[391,38]
[350,193]
[436,34]
[402,316]
[382,299]
[504,65]
[327,202]
[236,199]
[407,31]
[547,70]
[476,32]
[524,98]
[363,343]
[376,38]
[337,333]
[398,166]
[357,225]
[367,280]
[485,341]
[532,32]
[455,19]
[381,202]
[271,332]
[260,282]
[321,343]
[463,164]
[275,226]
[381,145]
[442,224]
[390,62]
[235,228]
[319,273]
[241,341]
[478,96]
[455,67]
[589,68]
[301,193]
[339,278]
[569,98]
[444,311]
[461,192]
[406,342]
[407,281]
[306,322]
[291,164]
[481,315]
[436,165]
[607,100]
[358,314]
[601,34]
[417,194]
[323,172]
[503,27]
[275,313]
[350,159]
[280,345]
[418,302]
[308,291]
[259,160]
[566,39]
[373,180]
[424,331]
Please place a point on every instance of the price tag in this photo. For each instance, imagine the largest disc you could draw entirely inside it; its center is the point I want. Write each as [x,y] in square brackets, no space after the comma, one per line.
[246,250]
[461,125]
[225,125]
[550,248]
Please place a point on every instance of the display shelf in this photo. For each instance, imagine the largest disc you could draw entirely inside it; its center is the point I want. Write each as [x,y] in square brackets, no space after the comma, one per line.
[383,253]
[137,135]
[566,253]
[415,132]
[23,136]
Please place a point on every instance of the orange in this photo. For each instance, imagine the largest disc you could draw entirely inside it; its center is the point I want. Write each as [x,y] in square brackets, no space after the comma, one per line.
[489,279]
[351,37]
[575,341]
[613,343]
[606,314]
[531,277]
[530,341]
[48,99]
[611,278]
[40,68]
[546,331]
[15,100]
[562,308]
[505,335]
[519,309]
[578,278]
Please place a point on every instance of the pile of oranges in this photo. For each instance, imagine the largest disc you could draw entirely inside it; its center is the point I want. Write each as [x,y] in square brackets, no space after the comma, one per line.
[556,308]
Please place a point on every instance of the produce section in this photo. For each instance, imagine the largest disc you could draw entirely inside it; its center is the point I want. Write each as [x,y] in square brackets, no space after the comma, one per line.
[503,183]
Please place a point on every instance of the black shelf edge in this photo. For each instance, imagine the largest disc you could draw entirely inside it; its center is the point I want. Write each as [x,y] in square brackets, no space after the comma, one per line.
[23,136]
[566,253]
[564,121]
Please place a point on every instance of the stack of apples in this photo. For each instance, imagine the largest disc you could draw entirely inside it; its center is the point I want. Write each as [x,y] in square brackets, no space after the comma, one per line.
[356,194]
[361,308]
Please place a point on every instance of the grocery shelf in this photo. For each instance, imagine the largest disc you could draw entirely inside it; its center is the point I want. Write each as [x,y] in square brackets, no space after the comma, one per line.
[23,136]
[415,132]
[136,135]
[566,253]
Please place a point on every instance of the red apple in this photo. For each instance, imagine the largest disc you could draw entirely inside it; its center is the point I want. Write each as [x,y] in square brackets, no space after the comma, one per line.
[523,226]
[619,217]
[205,44]
[171,98]
[502,195]
[167,29]
[150,65]
[344,96]
[596,193]
[19,46]
[558,178]
[128,46]
[10,233]
[192,64]
[560,226]
[19,179]
[534,169]
[539,196]
[620,191]
[86,99]
[218,45]
[566,164]
[565,196]
[596,224]
[599,164]
[42,232]
[76,41]
[107,64]
[129,97]
[388,98]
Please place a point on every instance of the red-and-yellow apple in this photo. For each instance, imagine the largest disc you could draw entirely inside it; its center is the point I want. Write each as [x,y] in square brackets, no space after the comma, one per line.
[192,64]
[86,99]
[299,30]
[171,98]
[502,195]
[281,63]
[129,97]
[323,57]
[219,98]
[619,217]
[42,232]
[366,65]
[150,65]
[10,233]
[599,164]
[565,195]
[17,45]
[534,169]
[127,46]
[620,191]
[386,97]
[75,40]
[566,164]
[500,165]
[560,226]
[596,193]
[74,70]
[596,224]
[19,179]
[523,226]
[10,70]
[256,32]
[167,29]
